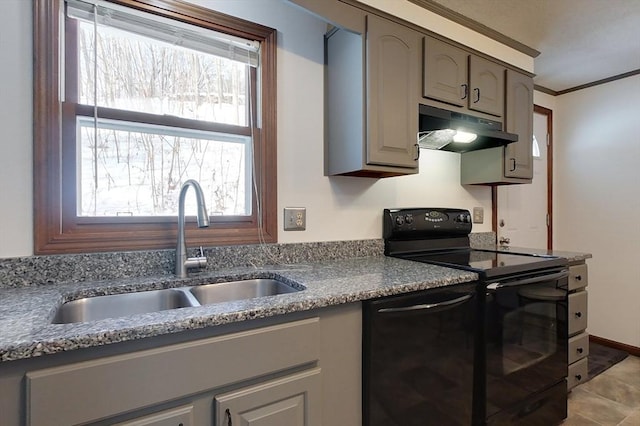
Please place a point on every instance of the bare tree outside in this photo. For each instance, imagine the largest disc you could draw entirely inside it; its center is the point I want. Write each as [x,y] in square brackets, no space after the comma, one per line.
[133,169]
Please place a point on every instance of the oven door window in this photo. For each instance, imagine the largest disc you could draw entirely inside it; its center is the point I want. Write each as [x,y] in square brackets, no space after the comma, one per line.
[526,341]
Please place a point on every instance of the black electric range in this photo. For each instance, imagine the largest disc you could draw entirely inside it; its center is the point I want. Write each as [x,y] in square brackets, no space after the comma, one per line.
[507,332]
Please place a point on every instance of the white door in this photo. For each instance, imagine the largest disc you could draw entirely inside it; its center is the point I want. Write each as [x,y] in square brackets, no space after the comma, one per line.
[522,209]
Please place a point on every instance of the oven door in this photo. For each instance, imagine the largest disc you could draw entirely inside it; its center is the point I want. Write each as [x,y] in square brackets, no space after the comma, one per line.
[526,349]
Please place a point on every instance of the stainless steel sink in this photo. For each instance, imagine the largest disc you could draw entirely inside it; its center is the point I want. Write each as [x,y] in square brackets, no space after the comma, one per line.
[139,302]
[240,290]
[119,305]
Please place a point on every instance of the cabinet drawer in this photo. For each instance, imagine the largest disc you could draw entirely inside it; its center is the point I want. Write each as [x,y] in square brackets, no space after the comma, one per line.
[578,373]
[578,347]
[577,312]
[113,385]
[578,277]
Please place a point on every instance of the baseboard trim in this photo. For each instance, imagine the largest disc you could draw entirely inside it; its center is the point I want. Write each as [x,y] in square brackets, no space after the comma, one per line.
[631,350]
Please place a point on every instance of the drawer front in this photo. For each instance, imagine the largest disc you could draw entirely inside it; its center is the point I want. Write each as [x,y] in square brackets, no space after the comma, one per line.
[578,277]
[577,312]
[578,347]
[578,373]
[113,385]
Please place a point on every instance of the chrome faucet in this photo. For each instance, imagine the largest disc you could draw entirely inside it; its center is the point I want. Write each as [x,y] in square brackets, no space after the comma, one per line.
[184,263]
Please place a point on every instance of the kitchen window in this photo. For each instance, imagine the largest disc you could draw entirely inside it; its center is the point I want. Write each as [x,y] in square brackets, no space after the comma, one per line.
[134,97]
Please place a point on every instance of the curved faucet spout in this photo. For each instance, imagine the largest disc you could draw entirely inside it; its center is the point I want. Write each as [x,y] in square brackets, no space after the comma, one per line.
[182,262]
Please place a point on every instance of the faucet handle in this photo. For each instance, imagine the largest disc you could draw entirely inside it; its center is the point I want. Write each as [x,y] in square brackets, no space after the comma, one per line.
[196,262]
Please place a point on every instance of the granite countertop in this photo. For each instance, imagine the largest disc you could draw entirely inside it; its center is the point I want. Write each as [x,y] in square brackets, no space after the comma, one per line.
[570,256]
[26,312]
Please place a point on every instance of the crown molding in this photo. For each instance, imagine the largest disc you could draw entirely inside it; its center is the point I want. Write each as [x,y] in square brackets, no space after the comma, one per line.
[476,26]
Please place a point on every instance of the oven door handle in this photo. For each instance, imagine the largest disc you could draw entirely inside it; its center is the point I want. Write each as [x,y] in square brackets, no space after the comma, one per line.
[533,280]
[448,303]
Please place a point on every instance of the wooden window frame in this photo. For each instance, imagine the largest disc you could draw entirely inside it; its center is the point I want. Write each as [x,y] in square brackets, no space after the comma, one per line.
[58,229]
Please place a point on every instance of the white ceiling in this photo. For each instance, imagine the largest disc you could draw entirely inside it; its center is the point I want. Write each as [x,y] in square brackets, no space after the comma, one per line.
[580,41]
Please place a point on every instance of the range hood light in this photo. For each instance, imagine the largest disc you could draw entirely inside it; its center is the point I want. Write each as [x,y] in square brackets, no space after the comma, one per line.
[457,132]
[464,137]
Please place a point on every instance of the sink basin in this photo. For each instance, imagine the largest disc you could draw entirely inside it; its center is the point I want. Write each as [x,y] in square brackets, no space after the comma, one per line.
[240,290]
[119,305]
[140,302]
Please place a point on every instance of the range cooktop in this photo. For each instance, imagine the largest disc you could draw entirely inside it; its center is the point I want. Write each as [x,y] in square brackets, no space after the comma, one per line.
[441,236]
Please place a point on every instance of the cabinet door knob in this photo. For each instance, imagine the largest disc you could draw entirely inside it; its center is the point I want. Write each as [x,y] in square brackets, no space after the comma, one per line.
[578,314]
[477,92]
[578,376]
[465,91]
[417,152]
[580,350]
[578,277]
[513,164]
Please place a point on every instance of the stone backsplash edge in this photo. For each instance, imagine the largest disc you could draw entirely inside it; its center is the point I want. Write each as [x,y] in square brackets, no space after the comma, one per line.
[55,269]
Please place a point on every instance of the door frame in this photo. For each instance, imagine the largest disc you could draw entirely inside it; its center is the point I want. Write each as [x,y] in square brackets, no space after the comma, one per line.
[494,189]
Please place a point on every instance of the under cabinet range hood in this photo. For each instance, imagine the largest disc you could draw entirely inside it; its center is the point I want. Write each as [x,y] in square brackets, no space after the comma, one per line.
[456,132]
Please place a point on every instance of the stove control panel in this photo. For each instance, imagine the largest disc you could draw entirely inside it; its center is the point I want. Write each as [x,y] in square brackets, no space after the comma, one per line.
[417,222]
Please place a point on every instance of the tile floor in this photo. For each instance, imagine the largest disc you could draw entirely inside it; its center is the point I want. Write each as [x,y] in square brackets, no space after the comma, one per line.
[611,398]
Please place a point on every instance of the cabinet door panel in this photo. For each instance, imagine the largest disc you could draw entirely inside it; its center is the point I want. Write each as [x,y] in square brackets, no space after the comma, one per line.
[486,85]
[177,416]
[445,73]
[291,401]
[392,80]
[518,159]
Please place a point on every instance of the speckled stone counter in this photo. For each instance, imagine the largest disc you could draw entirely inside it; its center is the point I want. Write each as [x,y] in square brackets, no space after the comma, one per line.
[27,310]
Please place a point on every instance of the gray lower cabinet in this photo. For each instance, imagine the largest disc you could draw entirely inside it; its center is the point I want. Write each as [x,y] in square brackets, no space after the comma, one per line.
[372,91]
[290,401]
[299,369]
[514,163]
[459,78]
[578,320]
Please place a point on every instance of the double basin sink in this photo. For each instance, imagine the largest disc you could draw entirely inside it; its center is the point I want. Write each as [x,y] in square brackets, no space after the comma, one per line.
[139,302]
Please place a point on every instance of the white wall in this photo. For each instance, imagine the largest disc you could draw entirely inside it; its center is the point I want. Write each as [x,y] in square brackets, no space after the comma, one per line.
[597,199]
[338,208]
[16,234]
[544,100]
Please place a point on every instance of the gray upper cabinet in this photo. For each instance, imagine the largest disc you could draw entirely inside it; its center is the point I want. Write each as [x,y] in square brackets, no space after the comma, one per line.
[486,84]
[457,77]
[445,73]
[518,158]
[513,163]
[372,96]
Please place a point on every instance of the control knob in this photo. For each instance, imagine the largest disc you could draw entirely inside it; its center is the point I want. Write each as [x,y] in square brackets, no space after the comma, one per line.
[408,219]
[399,220]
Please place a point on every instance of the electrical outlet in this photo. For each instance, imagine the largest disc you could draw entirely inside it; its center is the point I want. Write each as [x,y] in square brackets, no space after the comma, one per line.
[478,215]
[295,218]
